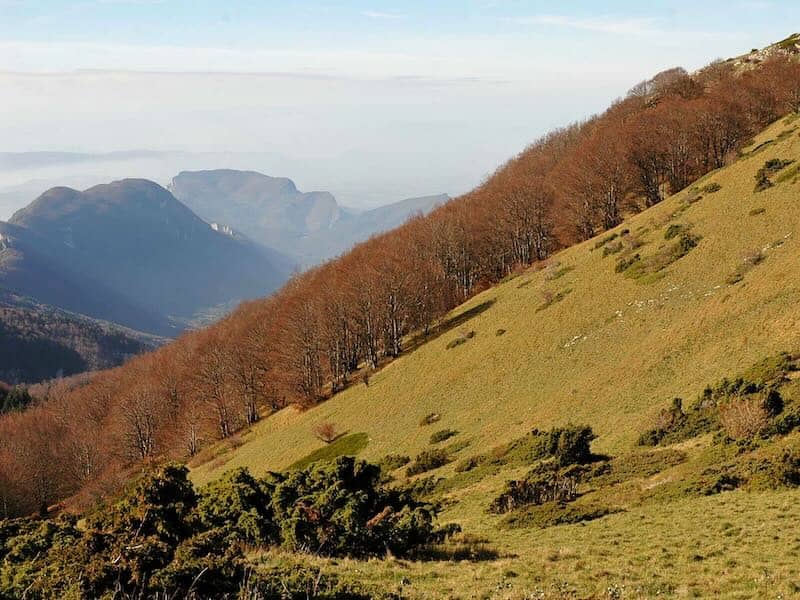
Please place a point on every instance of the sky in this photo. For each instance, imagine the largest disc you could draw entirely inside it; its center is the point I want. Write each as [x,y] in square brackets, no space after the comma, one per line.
[372,100]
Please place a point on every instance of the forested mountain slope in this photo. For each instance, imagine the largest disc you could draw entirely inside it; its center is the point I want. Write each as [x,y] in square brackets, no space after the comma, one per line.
[39,342]
[129,252]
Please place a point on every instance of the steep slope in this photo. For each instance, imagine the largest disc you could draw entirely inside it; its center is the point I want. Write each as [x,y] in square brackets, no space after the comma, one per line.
[39,342]
[309,226]
[35,267]
[135,239]
[585,343]
[585,340]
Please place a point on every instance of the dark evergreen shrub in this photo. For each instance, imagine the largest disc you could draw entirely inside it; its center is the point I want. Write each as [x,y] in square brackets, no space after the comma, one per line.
[427,460]
[442,435]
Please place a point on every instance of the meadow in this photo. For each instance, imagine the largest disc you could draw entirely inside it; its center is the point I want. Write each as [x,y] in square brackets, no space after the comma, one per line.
[587,338]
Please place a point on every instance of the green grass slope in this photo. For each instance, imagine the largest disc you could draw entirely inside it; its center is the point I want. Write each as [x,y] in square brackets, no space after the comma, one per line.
[583,343]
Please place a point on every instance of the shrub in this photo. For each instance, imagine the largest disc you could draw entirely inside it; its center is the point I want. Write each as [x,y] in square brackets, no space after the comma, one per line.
[762,181]
[712,188]
[770,167]
[427,460]
[469,463]
[500,332]
[568,445]
[685,243]
[161,539]
[612,249]
[338,509]
[623,264]
[743,418]
[326,432]
[430,419]
[673,230]
[442,435]
[605,240]
[549,298]
[749,260]
[461,339]
[392,462]
[15,399]
[550,487]
[238,505]
[157,505]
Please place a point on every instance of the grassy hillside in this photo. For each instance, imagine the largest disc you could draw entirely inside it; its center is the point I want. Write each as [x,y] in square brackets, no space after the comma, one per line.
[611,353]
[583,343]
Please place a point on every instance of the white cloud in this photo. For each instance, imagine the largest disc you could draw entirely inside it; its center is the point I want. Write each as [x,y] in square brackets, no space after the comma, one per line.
[627,26]
[652,28]
[377,14]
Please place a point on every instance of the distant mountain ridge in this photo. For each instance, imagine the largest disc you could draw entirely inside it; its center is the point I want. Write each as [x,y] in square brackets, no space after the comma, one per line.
[309,226]
[129,252]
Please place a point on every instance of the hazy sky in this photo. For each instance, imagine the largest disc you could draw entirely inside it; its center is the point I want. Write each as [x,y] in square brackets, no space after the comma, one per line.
[362,98]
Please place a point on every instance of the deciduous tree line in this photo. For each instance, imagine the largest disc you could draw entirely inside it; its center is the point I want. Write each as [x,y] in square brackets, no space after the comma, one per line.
[311,338]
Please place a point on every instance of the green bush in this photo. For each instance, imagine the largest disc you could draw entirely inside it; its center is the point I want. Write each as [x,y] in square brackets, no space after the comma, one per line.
[685,243]
[712,188]
[770,167]
[442,435]
[428,460]
[338,509]
[568,445]
[392,462]
[238,505]
[759,384]
[623,264]
[15,399]
[613,248]
[550,487]
[161,539]
[673,230]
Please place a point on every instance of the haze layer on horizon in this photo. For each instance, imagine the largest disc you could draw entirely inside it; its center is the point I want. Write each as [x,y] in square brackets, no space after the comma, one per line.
[374,101]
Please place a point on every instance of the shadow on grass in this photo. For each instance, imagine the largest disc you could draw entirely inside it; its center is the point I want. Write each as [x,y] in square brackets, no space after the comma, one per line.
[344,445]
[459,548]
[449,324]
